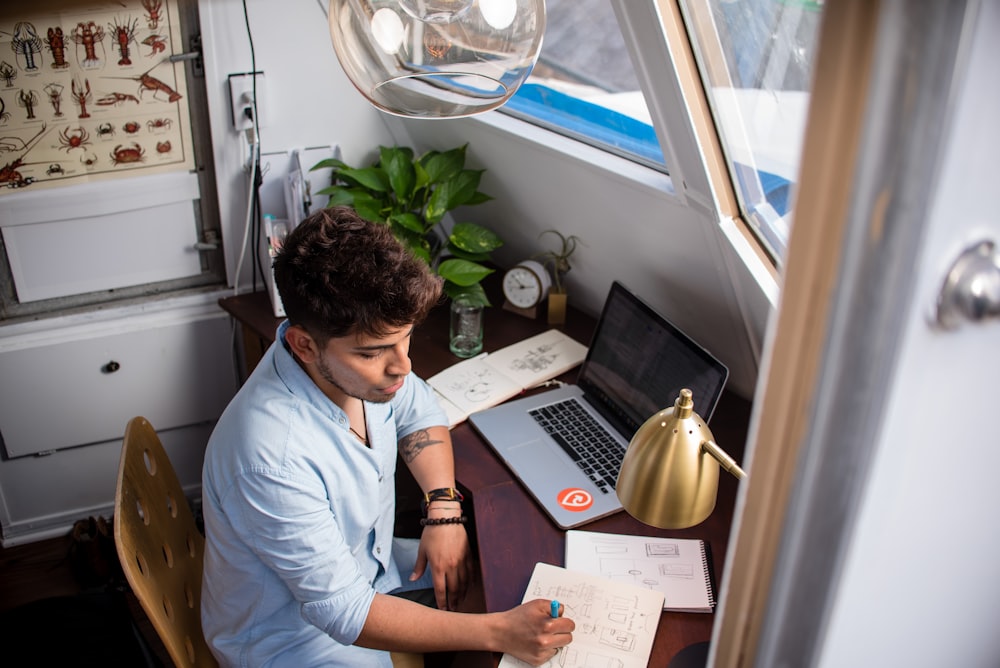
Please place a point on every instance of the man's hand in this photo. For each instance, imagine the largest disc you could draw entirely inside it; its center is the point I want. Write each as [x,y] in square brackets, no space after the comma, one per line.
[446,548]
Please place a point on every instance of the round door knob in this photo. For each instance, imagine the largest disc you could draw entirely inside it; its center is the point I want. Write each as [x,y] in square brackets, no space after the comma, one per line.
[971,290]
[111,367]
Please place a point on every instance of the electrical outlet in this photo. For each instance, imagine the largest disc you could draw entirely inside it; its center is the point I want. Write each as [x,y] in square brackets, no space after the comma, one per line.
[241,96]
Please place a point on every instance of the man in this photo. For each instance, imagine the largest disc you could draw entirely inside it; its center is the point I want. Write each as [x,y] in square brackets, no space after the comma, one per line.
[298,484]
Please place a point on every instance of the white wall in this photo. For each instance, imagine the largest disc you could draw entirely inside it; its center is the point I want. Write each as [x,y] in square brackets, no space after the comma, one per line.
[636,231]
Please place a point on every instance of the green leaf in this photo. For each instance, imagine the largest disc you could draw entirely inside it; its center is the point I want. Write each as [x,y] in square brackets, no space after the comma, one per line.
[368,207]
[455,251]
[372,178]
[329,162]
[463,272]
[443,166]
[473,238]
[338,196]
[478,198]
[398,165]
[409,221]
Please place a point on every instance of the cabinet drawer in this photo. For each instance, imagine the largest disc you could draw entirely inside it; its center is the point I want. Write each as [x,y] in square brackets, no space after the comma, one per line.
[84,391]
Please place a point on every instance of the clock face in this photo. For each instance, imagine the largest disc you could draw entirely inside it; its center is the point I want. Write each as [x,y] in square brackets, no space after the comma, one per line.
[526,285]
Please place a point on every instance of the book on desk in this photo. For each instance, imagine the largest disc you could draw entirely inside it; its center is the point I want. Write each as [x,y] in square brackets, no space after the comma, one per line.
[489,379]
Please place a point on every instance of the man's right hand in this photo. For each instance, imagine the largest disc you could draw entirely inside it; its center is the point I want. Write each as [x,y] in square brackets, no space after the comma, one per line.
[534,635]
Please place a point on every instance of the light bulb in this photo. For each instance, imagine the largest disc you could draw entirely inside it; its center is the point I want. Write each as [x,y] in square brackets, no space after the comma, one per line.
[498,13]
[388,30]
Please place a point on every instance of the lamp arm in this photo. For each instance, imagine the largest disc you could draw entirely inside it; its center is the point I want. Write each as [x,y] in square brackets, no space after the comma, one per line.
[725,461]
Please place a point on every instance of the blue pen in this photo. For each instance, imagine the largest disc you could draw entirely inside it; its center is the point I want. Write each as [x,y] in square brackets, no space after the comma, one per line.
[554,609]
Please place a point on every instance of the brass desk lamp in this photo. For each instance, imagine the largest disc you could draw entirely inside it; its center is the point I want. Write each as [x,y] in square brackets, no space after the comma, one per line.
[670,475]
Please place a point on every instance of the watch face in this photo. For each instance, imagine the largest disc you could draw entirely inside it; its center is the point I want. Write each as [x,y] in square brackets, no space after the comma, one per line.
[522,287]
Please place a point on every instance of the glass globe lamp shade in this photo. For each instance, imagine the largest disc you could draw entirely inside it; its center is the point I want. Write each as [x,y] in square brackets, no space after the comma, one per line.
[437,58]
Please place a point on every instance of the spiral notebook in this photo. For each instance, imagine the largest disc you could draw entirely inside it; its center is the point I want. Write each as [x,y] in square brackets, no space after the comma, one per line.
[679,568]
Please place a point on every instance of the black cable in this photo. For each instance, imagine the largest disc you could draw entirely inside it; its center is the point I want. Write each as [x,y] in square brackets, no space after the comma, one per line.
[256,269]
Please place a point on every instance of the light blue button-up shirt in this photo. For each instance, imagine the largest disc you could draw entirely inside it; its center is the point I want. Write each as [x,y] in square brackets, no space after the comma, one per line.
[299,519]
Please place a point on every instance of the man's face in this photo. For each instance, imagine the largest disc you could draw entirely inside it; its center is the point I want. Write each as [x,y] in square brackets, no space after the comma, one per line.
[365,367]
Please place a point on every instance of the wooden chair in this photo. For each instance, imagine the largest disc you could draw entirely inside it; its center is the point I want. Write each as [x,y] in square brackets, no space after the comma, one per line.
[161,549]
[159,545]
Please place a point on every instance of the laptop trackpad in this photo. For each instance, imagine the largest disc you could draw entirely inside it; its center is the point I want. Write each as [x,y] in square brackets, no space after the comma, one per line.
[538,459]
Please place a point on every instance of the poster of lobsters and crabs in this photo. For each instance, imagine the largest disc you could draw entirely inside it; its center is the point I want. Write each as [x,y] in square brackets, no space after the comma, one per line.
[88,91]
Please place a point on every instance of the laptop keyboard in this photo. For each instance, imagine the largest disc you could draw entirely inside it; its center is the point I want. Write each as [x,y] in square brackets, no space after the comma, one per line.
[583,438]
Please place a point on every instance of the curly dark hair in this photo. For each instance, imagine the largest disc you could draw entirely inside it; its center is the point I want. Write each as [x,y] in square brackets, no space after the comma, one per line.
[339,274]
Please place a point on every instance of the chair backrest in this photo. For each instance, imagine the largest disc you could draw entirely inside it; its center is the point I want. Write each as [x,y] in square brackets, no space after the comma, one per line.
[159,544]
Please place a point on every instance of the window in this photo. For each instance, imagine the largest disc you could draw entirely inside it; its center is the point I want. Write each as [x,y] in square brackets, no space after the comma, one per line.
[584,86]
[755,59]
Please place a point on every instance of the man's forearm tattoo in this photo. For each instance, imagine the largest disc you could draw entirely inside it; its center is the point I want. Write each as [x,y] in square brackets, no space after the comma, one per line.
[411,445]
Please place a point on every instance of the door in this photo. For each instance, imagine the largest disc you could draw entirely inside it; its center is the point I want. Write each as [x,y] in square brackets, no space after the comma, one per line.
[868,533]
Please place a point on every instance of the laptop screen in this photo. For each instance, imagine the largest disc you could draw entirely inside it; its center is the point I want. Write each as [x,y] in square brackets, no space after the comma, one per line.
[638,363]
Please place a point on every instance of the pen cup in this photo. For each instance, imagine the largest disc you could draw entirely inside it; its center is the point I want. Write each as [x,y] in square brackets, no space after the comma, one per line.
[466,333]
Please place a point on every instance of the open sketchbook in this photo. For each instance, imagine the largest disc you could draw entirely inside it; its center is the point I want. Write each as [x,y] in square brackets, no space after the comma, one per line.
[488,379]
[679,568]
[615,622]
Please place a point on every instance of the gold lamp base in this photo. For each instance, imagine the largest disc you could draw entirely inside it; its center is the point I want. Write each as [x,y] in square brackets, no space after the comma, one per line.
[670,475]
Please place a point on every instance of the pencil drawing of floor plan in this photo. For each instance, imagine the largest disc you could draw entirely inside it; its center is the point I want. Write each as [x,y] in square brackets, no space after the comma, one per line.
[615,622]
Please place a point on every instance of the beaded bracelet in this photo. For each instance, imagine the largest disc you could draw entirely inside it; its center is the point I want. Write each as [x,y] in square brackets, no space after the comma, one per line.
[426,522]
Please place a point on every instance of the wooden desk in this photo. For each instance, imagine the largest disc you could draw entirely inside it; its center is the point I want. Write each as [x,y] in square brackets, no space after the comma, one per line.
[511,532]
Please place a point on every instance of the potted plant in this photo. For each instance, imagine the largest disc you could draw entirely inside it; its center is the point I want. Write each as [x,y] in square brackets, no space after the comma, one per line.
[559,262]
[412,194]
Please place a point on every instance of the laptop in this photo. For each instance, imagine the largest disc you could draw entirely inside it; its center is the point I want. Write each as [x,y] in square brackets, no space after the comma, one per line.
[636,365]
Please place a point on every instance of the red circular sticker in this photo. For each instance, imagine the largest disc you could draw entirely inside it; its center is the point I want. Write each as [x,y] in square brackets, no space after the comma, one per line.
[575,499]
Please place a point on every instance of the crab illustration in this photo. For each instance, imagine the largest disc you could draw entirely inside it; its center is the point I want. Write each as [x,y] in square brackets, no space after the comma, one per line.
[125,154]
[73,139]
[159,125]
[105,130]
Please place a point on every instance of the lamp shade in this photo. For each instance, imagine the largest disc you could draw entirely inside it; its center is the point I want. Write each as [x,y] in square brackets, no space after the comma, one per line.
[670,475]
[437,58]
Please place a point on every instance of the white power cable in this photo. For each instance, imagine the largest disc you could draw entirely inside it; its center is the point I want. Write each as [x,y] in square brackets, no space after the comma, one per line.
[249,206]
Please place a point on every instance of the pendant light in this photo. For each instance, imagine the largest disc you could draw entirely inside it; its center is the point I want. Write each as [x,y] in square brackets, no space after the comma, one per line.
[437,58]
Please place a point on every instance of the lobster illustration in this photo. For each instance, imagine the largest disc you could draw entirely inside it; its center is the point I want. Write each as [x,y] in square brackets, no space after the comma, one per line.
[153,9]
[54,91]
[27,43]
[115,99]
[124,33]
[88,35]
[82,96]
[57,45]
[9,176]
[155,42]
[8,73]
[149,82]
[28,99]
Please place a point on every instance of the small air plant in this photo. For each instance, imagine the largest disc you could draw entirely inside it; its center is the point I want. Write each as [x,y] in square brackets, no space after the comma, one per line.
[559,259]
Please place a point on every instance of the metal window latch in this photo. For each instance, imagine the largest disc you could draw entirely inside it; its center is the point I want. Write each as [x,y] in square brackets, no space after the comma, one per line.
[194,55]
[210,242]
[971,290]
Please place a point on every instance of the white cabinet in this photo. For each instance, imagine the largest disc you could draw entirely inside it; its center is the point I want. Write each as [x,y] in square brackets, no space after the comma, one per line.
[69,387]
